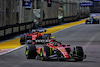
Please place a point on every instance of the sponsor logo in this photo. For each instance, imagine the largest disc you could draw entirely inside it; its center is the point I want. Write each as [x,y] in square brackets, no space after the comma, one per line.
[42,40]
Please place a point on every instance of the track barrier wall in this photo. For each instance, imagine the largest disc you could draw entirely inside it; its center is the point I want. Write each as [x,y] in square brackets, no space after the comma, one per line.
[15,19]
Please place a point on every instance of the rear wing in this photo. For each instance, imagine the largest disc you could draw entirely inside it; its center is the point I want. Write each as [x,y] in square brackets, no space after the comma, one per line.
[38,31]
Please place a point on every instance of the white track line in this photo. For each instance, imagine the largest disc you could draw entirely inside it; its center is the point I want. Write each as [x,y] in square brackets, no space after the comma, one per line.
[12,50]
[89,43]
[25,45]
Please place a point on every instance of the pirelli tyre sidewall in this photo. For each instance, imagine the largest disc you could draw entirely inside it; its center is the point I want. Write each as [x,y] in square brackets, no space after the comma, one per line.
[78,51]
[30,51]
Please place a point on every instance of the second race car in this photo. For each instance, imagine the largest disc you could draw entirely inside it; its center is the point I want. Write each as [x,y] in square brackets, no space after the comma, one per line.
[36,36]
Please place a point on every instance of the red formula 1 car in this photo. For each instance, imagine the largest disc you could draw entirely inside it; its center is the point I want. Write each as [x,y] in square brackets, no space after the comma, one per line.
[35,36]
[54,49]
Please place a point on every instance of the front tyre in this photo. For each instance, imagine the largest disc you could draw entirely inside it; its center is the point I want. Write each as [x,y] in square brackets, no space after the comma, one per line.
[30,51]
[78,52]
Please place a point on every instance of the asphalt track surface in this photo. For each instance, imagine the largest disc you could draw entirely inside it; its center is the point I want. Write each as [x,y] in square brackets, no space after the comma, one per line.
[87,36]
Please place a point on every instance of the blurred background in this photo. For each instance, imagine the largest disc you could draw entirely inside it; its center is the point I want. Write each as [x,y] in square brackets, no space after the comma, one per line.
[18,16]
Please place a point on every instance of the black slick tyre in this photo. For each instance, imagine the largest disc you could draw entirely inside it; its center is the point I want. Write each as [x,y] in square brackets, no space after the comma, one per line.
[47,50]
[30,51]
[79,53]
[22,39]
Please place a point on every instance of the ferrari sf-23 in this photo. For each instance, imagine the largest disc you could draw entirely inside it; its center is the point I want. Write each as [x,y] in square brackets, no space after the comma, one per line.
[55,49]
[36,36]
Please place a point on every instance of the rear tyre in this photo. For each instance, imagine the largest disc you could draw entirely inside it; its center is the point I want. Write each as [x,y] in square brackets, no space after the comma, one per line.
[78,51]
[30,51]
[47,50]
[22,39]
